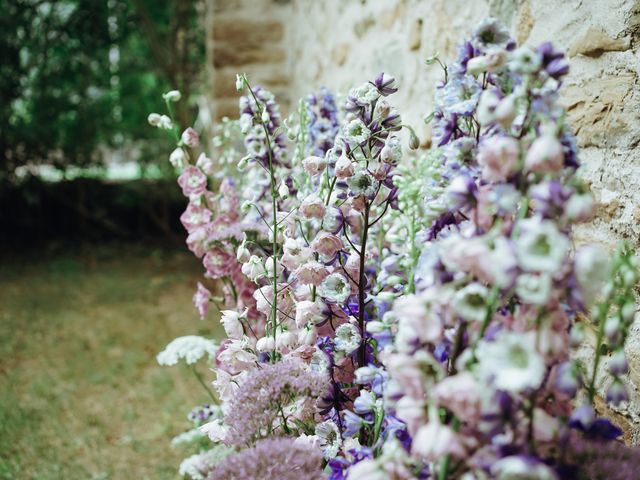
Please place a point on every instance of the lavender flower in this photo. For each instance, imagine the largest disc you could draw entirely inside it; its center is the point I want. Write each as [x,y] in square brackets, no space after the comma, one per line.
[257,408]
[271,458]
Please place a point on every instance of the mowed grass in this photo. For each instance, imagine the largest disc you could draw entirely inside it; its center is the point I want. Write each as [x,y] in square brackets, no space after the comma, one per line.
[81,395]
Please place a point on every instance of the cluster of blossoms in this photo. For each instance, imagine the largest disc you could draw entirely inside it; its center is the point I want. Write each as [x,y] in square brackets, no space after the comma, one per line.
[394,316]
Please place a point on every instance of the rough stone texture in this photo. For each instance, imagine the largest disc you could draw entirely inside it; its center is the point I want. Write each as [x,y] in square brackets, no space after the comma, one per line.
[339,43]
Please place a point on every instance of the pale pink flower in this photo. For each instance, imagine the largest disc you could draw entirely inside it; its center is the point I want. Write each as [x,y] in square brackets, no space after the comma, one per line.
[230,320]
[412,313]
[411,411]
[314,165]
[195,216]
[326,244]
[434,441]
[196,241]
[217,262]
[312,207]
[345,168]
[461,394]
[216,430]
[190,138]
[205,164]
[310,313]
[192,181]
[295,253]
[498,157]
[311,273]
[234,355]
[545,155]
[201,300]
[367,469]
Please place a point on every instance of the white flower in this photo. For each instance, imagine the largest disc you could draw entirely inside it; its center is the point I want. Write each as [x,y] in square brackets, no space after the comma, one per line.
[308,312]
[356,132]
[200,465]
[363,183]
[319,361]
[235,355]
[392,151]
[534,289]
[239,82]
[540,246]
[189,436]
[347,338]
[178,158]
[172,96]
[254,268]
[335,288]
[329,438]
[521,468]
[525,60]
[191,348]
[592,270]
[230,320]
[165,122]
[471,302]
[365,94]
[154,119]
[365,403]
[216,430]
[266,344]
[511,361]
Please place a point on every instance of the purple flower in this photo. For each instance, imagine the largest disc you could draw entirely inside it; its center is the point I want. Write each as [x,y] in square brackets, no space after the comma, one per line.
[553,61]
[273,458]
[260,398]
[385,83]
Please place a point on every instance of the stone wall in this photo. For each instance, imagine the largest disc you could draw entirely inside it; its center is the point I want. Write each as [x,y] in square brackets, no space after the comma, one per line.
[297,46]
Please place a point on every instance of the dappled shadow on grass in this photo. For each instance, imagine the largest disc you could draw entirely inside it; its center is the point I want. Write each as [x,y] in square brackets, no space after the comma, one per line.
[81,396]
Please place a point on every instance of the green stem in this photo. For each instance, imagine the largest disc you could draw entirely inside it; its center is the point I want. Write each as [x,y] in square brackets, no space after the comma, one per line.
[361,286]
[203,383]
[602,314]
[274,231]
[443,473]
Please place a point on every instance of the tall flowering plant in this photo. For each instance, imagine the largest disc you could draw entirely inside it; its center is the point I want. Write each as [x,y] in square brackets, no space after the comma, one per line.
[403,318]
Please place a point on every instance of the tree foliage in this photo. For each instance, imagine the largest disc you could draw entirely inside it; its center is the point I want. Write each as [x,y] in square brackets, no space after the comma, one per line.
[78,75]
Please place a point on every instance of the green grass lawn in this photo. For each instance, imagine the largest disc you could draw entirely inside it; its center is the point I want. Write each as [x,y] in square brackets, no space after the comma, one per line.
[81,396]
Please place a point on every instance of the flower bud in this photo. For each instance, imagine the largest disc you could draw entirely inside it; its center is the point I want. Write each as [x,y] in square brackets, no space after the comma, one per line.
[165,122]
[577,335]
[243,254]
[154,119]
[285,340]
[172,96]
[283,190]
[612,329]
[567,380]
[239,83]
[617,393]
[628,312]
[265,116]
[243,163]
[414,141]
[178,158]
[265,344]
[546,155]
[190,138]
[618,364]
[307,336]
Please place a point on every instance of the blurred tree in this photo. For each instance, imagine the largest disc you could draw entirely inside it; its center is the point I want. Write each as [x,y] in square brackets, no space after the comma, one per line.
[77,75]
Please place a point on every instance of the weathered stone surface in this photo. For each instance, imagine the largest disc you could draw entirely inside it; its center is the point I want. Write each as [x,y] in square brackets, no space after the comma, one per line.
[237,31]
[229,55]
[598,109]
[594,42]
